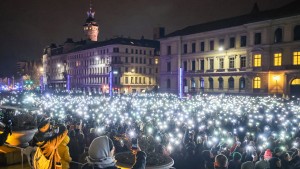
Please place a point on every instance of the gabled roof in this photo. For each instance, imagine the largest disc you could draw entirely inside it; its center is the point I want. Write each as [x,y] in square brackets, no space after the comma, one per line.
[288,10]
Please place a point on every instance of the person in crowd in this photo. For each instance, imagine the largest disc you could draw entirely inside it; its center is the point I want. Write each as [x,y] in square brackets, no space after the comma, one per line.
[285,160]
[263,164]
[275,163]
[7,131]
[235,163]
[221,162]
[80,137]
[208,159]
[101,155]
[46,155]
[74,148]
[63,151]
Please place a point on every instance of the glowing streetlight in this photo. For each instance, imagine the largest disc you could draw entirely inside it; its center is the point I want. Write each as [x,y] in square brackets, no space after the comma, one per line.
[221,48]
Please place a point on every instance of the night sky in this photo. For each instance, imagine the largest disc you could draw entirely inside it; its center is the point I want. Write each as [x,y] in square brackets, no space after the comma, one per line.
[27,26]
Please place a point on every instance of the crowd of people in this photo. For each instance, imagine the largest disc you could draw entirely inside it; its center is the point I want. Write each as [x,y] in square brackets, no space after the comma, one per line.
[204,131]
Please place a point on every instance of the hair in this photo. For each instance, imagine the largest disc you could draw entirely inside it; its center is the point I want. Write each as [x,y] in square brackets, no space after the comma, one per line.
[221,160]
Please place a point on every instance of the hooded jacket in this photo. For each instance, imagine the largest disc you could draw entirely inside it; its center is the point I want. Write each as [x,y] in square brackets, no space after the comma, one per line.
[63,151]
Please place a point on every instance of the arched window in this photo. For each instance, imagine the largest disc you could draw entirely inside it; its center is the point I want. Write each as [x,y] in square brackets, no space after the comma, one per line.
[221,83]
[231,83]
[168,83]
[242,83]
[256,83]
[193,83]
[211,83]
[297,32]
[278,35]
[201,83]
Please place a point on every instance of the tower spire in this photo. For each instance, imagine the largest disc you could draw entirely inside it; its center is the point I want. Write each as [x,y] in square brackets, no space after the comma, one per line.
[90,13]
[91,27]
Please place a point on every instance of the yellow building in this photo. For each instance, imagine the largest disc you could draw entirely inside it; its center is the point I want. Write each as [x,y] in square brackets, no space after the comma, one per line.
[257,53]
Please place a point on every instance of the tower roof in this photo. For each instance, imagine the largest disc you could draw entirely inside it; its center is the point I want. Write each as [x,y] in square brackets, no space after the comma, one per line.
[91,15]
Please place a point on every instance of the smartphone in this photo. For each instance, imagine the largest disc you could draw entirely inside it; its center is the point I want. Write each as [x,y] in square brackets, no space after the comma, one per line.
[134,143]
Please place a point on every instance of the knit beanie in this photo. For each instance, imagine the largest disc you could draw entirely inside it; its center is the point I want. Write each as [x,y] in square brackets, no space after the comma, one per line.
[268,154]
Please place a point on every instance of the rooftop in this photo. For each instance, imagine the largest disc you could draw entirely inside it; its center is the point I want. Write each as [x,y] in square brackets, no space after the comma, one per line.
[290,9]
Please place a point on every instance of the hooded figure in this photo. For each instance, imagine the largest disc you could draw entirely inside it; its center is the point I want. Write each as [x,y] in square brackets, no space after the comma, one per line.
[63,151]
[101,153]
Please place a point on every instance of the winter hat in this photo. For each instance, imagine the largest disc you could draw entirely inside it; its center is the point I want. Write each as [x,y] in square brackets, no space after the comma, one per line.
[268,154]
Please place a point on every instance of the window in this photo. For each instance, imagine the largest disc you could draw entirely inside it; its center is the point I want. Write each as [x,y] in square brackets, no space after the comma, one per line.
[242,83]
[185,66]
[156,61]
[168,83]
[201,83]
[116,50]
[296,58]
[137,60]
[277,59]
[145,61]
[144,71]
[131,50]
[278,35]
[221,83]
[141,52]
[243,62]
[243,41]
[231,63]
[126,50]
[185,48]
[132,59]
[221,63]
[211,83]
[257,38]
[221,43]
[256,83]
[131,80]
[126,59]
[202,64]
[150,61]
[212,45]
[231,83]
[169,50]
[257,60]
[211,64]
[193,47]
[136,51]
[169,67]
[126,69]
[136,80]
[202,46]
[193,83]
[297,32]
[144,80]
[193,65]
[141,60]
[232,42]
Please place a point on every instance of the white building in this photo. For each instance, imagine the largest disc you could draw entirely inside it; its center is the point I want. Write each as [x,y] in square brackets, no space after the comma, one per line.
[87,64]
[257,53]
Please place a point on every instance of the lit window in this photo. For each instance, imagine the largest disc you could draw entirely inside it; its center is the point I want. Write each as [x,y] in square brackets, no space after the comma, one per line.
[257,60]
[296,82]
[256,83]
[296,58]
[156,61]
[277,59]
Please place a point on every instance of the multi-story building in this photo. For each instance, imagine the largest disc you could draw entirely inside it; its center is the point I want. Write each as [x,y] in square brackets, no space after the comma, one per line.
[256,53]
[87,64]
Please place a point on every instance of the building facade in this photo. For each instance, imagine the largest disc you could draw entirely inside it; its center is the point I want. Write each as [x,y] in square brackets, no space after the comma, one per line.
[87,65]
[257,53]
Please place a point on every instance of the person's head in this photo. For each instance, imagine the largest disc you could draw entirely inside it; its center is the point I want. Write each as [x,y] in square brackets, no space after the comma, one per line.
[44,125]
[277,151]
[206,154]
[268,154]
[221,161]
[236,156]
[275,163]
[101,147]
[286,156]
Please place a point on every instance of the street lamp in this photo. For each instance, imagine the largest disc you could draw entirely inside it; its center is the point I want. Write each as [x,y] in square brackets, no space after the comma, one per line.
[276,78]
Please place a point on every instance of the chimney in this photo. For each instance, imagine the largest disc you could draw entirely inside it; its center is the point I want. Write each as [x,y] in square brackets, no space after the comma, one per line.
[158,33]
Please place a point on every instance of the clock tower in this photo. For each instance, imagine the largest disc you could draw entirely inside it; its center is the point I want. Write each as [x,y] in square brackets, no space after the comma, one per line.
[91,27]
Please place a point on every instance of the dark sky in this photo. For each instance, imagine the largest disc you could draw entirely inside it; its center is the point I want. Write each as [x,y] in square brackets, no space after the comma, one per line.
[27,26]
